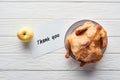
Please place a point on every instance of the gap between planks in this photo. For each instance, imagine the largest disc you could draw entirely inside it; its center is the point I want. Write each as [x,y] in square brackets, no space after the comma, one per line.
[11,1]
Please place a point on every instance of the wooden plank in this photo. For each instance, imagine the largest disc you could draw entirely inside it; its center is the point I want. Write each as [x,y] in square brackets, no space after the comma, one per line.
[13,45]
[55,62]
[60,0]
[59,10]
[9,27]
[60,75]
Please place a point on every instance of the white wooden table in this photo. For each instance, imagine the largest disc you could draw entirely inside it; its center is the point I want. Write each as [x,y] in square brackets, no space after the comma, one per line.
[17,63]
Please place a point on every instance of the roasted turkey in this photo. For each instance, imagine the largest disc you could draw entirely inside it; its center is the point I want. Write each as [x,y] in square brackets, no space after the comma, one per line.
[86,43]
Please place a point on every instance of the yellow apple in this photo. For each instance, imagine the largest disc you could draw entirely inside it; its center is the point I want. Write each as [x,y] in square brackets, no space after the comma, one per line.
[25,34]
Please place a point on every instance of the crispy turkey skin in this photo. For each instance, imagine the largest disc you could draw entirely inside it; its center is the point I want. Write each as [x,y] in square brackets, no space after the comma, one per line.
[85,42]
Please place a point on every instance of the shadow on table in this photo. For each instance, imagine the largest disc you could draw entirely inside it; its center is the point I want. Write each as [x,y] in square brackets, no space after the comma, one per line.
[87,70]
[25,47]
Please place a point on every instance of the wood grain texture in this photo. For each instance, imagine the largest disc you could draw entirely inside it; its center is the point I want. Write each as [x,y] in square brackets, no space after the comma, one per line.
[61,0]
[16,61]
[9,27]
[55,62]
[59,10]
[60,75]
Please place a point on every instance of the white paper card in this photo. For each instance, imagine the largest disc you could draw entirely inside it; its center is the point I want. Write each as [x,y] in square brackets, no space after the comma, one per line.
[47,38]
